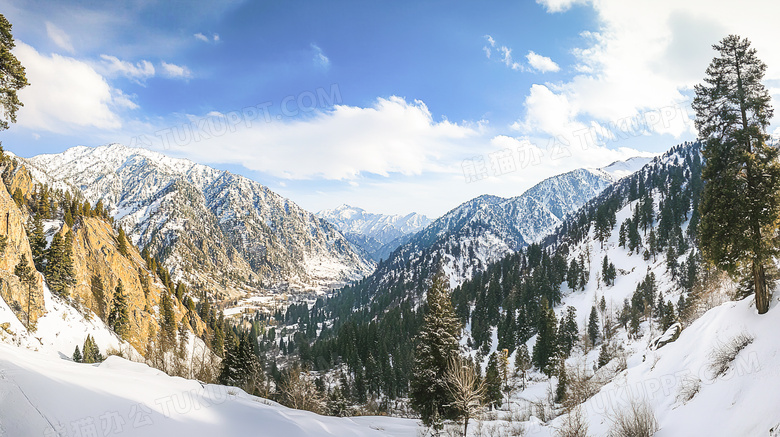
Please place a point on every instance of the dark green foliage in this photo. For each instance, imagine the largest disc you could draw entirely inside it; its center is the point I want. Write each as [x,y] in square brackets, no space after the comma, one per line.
[12,76]
[91,351]
[493,382]
[122,243]
[604,355]
[37,241]
[740,203]
[118,318]
[522,363]
[563,383]
[568,332]
[26,276]
[608,272]
[77,355]
[168,319]
[545,348]
[593,326]
[436,344]
[241,366]
[59,264]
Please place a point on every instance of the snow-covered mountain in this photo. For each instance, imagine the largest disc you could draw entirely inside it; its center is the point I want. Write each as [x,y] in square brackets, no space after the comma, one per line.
[488,228]
[377,234]
[211,228]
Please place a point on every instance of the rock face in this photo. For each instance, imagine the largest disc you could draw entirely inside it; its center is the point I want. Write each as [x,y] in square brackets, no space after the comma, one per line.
[97,262]
[98,268]
[23,299]
[214,230]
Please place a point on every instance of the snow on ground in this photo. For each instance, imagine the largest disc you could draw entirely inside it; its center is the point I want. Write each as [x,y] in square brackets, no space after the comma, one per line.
[60,330]
[44,395]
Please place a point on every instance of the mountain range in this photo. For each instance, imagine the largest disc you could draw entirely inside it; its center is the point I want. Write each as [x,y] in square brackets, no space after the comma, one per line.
[214,230]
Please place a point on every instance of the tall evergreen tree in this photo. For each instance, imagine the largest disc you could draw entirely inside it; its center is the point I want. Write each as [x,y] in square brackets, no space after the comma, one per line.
[740,201]
[59,270]
[493,382]
[522,363]
[122,242]
[26,276]
[77,355]
[118,318]
[545,348]
[593,326]
[37,241]
[437,342]
[12,76]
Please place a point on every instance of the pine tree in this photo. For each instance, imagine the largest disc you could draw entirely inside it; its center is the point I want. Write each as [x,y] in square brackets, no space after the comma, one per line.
[26,276]
[118,318]
[522,363]
[437,342]
[91,351]
[493,382]
[545,348]
[740,201]
[59,270]
[563,382]
[122,242]
[593,326]
[77,355]
[37,241]
[12,75]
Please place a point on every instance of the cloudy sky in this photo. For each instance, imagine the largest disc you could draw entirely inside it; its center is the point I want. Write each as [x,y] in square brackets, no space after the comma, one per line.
[389,106]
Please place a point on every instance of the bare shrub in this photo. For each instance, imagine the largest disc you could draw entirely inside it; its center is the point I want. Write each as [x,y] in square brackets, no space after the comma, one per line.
[298,391]
[724,354]
[689,388]
[637,420]
[466,389]
[574,424]
[517,430]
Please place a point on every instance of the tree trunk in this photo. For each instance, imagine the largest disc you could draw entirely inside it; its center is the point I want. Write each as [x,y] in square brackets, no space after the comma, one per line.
[466,426]
[762,292]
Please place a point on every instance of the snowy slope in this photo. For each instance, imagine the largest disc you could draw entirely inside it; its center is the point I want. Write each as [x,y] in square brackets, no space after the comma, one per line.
[44,395]
[59,331]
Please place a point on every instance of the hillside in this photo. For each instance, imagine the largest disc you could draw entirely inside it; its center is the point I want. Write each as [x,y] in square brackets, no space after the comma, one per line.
[212,229]
[44,395]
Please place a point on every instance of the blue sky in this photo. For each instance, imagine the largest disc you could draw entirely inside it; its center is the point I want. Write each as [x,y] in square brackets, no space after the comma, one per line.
[390,106]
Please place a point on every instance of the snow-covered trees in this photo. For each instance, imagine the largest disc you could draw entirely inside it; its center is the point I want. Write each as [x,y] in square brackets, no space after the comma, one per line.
[740,203]
[522,363]
[240,366]
[437,343]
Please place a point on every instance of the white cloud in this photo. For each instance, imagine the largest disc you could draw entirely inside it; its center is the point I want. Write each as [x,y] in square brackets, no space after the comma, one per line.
[174,71]
[202,37]
[548,112]
[392,136]
[113,66]
[59,37]
[319,57]
[559,5]
[644,58]
[504,51]
[541,63]
[65,94]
